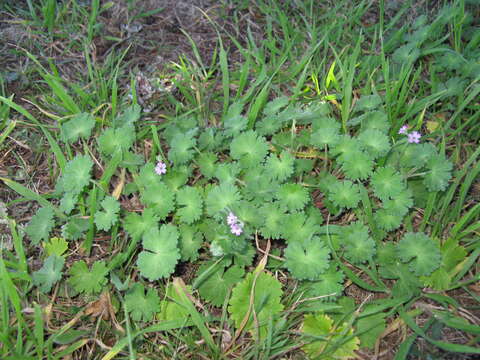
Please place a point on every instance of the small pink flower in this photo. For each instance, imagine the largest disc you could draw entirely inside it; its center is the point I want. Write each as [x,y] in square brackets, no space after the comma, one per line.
[403,129]
[161,168]
[414,137]
[231,219]
[236,226]
[236,229]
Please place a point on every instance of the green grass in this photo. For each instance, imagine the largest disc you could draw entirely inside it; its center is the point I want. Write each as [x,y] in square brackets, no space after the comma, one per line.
[417,68]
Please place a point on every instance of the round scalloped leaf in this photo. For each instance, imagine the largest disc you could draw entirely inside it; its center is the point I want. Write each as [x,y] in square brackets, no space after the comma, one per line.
[326,131]
[357,166]
[439,173]
[160,254]
[267,293]
[181,148]
[76,175]
[368,102]
[260,188]
[190,204]
[416,155]
[88,281]
[160,198]
[79,126]
[136,225]
[421,253]
[297,227]
[248,212]
[346,146]
[376,120]
[400,204]
[147,176]
[273,221]
[206,163]
[112,140]
[227,172]
[387,183]
[280,168]
[387,220]
[249,148]
[190,242]
[105,219]
[374,142]
[40,225]
[330,283]
[359,246]
[142,306]
[344,194]
[220,198]
[307,259]
[321,326]
[292,196]
[216,287]
[234,124]
[176,178]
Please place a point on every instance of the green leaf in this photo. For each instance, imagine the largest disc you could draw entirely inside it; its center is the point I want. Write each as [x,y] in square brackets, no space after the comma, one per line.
[266,292]
[388,220]
[79,126]
[160,254]
[345,194]
[206,163]
[387,183]
[420,252]
[326,132]
[297,227]
[56,246]
[88,281]
[439,173]
[181,148]
[293,196]
[370,328]
[147,176]
[357,166]
[190,242]
[112,140]
[233,121]
[136,225]
[49,273]
[108,217]
[220,198]
[330,282]
[142,306]
[249,148]
[216,286]
[375,142]
[280,168]
[76,175]
[307,259]
[359,246]
[40,225]
[75,228]
[274,217]
[159,198]
[330,342]
[368,102]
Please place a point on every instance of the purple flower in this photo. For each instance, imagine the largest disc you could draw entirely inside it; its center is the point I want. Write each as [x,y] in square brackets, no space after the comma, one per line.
[414,137]
[403,129]
[236,226]
[231,219]
[161,168]
[236,229]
